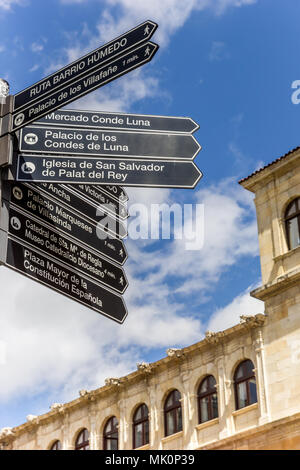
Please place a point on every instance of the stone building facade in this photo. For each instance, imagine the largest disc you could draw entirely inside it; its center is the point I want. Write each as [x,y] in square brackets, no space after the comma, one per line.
[260,410]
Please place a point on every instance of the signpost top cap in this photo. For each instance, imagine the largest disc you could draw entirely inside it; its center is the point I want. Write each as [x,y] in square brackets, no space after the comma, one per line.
[4,88]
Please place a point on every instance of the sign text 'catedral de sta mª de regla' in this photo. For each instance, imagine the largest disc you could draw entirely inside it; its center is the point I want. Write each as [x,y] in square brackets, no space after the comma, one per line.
[63,207]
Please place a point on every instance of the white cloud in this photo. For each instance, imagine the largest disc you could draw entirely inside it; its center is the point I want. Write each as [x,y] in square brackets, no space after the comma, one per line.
[37,47]
[229,316]
[119,16]
[55,345]
[7,4]
[34,68]
[218,52]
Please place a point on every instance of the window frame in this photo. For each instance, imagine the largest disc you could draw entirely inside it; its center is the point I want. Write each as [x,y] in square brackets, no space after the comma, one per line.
[287,218]
[143,421]
[84,443]
[107,434]
[208,394]
[245,378]
[172,409]
[55,443]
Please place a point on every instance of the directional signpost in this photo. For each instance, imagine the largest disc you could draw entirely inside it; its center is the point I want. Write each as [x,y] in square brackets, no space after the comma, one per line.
[87,209]
[53,242]
[63,209]
[83,84]
[129,172]
[71,141]
[42,268]
[121,121]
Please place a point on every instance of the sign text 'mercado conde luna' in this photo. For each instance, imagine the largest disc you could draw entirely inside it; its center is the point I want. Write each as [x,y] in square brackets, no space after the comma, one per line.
[110,120]
[36,265]
[76,202]
[129,172]
[35,233]
[58,217]
[60,141]
[85,84]
[86,64]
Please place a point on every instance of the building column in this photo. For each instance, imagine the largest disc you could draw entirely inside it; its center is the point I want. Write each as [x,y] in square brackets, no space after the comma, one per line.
[66,438]
[224,394]
[188,413]
[154,438]
[261,382]
[94,432]
[123,426]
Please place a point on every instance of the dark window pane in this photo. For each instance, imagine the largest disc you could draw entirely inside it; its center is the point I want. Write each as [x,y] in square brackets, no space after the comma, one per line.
[146,432]
[179,420]
[138,414]
[138,435]
[170,423]
[293,228]
[252,391]
[242,394]
[204,409]
[212,382]
[177,396]
[204,386]
[239,373]
[111,444]
[292,209]
[214,400]
[248,368]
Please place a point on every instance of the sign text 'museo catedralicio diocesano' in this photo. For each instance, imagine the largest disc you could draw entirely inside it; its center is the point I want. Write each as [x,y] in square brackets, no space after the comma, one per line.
[42,268]
[54,243]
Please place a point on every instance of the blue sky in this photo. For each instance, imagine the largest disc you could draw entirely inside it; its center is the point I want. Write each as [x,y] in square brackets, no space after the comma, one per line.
[229,64]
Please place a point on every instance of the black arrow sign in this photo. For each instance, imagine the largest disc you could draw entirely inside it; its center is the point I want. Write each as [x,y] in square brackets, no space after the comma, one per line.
[51,212]
[84,84]
[34,264]
[141,173]
[97,214]
[85,65]
[108,120]
[81,259]
[60,141]
[116,192]
[99,197]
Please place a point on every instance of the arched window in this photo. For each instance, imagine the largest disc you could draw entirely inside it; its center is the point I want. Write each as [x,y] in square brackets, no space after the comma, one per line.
[141,427]
[207,399]
[173,414]
[110,434]
[56,446]
[292,223]
[82,441]
[245,385]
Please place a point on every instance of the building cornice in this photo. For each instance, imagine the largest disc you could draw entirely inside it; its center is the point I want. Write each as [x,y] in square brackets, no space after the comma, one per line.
[265,174]
[281,284]
[144,370]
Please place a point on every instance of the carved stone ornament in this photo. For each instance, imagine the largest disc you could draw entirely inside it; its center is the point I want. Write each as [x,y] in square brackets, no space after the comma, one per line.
[174,352]
[83,392]
[56,406]
[6,432]
[144,367]
[112,381]
[253,321]
[214,338]
[31,418]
